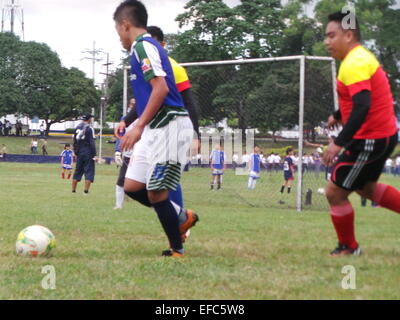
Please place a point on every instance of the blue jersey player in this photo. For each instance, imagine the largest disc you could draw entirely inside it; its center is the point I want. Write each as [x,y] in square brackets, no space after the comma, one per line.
[255,168]
[163,133]
[67,161]
[217,164]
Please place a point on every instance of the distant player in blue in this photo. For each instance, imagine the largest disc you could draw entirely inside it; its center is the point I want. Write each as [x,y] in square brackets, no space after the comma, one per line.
[255,168]
[67,161]
[288,172]
[217,165]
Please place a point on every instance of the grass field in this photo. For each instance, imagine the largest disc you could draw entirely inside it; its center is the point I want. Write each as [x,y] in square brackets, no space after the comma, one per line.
[55,145]
[238,250]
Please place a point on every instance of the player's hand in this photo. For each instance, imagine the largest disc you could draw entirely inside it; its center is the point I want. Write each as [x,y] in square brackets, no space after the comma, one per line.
[130,138]
[330,154]
[332,123]
[120,129]
[118,158]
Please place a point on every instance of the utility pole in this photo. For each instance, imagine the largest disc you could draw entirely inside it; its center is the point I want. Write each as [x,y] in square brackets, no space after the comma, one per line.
[103,105]
[93,56]
[11,10]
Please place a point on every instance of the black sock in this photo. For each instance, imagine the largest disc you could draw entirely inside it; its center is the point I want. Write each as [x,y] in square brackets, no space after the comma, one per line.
[140,196]
[169,221]
[219,186]
[288,189]
[282,189]
[86,191]
[212,186]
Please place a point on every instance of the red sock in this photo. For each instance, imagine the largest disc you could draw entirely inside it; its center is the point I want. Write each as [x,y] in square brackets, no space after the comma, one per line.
[69,176]
[343,220]
[387,196]
[63,175]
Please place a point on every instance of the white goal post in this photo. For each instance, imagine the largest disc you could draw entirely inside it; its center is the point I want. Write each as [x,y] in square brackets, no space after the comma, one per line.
[302,59]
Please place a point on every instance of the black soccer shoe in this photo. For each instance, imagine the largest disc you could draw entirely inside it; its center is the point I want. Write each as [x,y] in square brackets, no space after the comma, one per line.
[343,250]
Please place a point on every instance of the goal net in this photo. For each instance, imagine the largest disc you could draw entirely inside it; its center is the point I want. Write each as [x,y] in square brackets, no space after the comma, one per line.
[275,104]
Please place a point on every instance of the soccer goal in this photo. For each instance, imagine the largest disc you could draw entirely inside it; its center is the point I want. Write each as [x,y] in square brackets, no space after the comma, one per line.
[278,102]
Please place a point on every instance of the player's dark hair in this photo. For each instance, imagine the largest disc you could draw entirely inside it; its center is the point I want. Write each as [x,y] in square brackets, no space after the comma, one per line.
[339,17]
[289,150]
[156,32]
[132,10]
[67,145]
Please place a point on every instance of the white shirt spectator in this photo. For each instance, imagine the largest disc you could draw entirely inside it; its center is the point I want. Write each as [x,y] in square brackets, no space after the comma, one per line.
[245,158]
[235,158]
[398,161]
[389,163]
[270,159]
[277,159]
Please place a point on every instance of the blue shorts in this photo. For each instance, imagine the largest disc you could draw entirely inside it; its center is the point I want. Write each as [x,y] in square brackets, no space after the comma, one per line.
[288,175]
[84,165]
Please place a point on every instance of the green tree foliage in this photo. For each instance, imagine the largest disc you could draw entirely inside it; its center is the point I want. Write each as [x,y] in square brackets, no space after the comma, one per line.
[33,83]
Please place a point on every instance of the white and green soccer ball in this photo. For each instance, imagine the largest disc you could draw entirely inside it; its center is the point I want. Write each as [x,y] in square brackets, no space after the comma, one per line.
[35,241]
[321,191]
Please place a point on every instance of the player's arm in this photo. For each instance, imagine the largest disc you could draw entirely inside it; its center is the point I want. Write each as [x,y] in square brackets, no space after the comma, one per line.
[130,117]
[92,143]
[359,112]
[188,101]
[158,93]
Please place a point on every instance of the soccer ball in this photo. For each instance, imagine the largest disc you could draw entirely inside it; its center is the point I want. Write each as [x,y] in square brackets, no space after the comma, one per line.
[35,241]
[321,191]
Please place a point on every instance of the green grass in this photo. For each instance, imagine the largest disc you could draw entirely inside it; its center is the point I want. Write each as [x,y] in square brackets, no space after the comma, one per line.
[55,145]
[241,249]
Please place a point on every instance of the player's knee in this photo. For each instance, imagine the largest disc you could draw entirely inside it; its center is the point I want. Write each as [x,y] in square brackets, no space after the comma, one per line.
[157,196]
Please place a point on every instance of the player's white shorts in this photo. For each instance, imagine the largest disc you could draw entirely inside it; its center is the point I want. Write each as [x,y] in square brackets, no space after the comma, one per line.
[160,156]
[67,166]
[254,174]
[218,172]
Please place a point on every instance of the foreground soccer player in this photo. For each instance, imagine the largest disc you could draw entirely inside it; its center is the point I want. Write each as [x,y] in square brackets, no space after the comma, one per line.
[163,132]
[369,132]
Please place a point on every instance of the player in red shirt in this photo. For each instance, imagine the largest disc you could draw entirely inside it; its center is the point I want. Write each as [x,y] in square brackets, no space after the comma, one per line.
[369,133]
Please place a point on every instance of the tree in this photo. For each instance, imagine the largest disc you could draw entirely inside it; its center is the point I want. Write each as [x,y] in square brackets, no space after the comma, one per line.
[11,94]
[33,83]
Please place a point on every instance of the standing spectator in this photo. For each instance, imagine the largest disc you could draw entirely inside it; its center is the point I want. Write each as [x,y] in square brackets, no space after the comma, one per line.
[277,162]
[235,160]
[17,129]
[1,128]
[317,161]
[41,129]
[270,162]
[9,128]
[44,147]
[199,158]
[397,163]
[5,128]
[388,166]
[85,150]
[3,152]
[245,159]
[34,145]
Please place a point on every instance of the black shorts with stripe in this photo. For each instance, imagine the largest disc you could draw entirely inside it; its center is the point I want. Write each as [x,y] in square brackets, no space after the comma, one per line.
[362,162]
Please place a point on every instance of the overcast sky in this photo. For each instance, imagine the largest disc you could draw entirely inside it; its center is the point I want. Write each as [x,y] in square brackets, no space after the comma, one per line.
[70,26]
